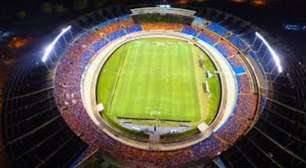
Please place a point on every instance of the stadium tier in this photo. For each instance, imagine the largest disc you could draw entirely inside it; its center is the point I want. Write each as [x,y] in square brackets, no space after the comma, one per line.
[154,87]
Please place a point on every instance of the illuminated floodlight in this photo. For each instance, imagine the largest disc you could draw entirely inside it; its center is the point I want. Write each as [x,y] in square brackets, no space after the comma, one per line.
[50,47]
[165,6]
[272,51]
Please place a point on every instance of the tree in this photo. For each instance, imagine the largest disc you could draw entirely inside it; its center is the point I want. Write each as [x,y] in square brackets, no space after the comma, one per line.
[46,8]
[21,14]
[98,3]
[79,4]
[59,8]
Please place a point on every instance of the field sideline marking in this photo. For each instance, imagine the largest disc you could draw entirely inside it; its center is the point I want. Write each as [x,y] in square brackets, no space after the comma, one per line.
[116,82]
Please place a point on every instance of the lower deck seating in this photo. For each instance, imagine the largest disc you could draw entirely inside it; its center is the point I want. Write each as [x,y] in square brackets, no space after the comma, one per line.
[189,30]
[226,49]
[217,29]
[237,42]
[208,37]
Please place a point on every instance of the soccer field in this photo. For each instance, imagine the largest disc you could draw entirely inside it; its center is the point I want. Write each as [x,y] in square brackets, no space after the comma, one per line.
[159,79]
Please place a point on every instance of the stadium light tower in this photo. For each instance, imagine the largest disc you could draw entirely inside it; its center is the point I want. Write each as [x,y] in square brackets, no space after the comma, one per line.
[275,57]
[50,47]
[165,6]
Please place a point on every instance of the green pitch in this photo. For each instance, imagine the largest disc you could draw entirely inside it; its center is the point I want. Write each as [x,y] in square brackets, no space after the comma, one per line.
[159,80]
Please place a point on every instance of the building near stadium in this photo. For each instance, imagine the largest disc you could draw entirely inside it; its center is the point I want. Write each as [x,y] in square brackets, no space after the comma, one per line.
[154,86]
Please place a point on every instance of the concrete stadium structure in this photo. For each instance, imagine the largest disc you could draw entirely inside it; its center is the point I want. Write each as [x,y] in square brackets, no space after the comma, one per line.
[67,109]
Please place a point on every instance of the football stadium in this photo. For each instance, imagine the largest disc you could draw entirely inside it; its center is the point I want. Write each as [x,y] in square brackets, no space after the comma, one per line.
[155,85]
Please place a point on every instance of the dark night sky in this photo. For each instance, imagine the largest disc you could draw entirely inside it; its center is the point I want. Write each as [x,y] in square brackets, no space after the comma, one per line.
[271,17]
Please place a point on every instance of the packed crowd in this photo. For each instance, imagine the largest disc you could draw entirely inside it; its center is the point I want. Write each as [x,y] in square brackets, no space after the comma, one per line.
[226,49]
[189,31]
[232,129]
[162,18]
[214,27]
[162,26]
[237,42]
[244,83]
[246,106]
[208,37]
[68,96]
[74,63]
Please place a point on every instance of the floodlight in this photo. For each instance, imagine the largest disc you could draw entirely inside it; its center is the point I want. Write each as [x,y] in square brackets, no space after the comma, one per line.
[273,53]
[50,47]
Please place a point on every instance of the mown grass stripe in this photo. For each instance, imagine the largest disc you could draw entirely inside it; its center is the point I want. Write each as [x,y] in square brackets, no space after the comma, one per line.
[157,81]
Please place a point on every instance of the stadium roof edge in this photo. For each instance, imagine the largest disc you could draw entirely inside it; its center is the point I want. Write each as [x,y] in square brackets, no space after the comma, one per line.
[50,46]
[274,55]
[159,9]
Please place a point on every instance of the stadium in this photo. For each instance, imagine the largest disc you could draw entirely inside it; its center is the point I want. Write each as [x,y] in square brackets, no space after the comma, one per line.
[155,86]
